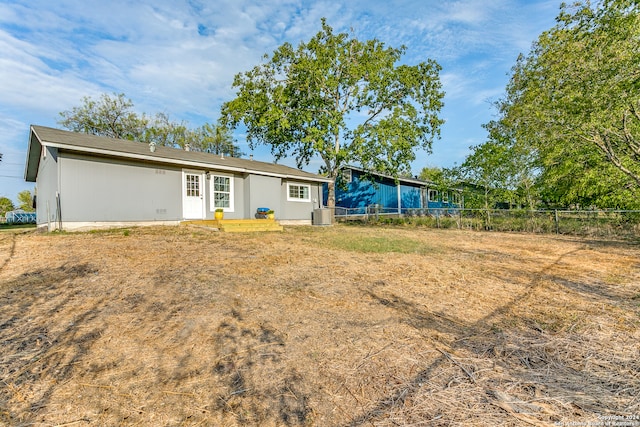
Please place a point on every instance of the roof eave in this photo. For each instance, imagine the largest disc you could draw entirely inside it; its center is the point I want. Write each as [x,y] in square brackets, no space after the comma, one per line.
[400,179]
[177,162]
[33,156]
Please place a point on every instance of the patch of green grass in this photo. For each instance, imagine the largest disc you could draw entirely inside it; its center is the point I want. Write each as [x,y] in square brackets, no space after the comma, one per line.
[9,227]
[376,244]
[107,231]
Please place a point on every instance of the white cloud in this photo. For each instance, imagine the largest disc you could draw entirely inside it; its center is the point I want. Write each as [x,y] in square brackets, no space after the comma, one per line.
[13,143]
[180,57]
[469,11]
[27,83]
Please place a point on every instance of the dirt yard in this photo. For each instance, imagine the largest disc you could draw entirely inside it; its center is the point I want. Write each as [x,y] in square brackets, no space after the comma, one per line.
[339,326]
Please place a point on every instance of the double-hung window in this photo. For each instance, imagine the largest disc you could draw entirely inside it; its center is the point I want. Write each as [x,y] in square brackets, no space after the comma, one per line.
[298,192]
[222,192]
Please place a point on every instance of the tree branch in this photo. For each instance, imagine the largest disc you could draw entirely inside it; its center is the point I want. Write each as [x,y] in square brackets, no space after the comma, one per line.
[603,143]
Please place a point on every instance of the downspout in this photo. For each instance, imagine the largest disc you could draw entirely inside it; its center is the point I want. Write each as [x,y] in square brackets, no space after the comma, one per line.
[399,200]
[59,179]
[58,211]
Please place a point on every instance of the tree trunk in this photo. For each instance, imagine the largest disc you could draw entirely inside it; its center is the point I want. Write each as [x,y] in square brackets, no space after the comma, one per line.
[331,196]
[486,198]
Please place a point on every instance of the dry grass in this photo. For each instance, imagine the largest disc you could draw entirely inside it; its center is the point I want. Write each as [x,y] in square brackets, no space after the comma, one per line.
[184,326]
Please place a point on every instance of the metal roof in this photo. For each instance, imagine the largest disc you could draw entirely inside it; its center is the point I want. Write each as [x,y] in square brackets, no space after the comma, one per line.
[408,180]
[118,148]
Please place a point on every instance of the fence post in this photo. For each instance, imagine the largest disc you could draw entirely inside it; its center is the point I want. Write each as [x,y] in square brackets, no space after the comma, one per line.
[557,221]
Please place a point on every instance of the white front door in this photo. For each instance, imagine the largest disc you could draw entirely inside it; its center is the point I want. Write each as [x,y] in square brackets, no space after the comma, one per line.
[193,195]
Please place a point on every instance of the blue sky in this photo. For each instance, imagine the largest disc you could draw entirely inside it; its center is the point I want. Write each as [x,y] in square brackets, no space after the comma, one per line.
[180,57]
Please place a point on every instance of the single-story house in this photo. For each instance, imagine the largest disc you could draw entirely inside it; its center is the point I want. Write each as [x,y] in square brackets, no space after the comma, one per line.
[357,190]
[87,181]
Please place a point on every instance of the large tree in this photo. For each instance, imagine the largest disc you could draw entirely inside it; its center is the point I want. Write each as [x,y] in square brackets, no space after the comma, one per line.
[341,99]
[574,100]
[488,169]
[108,116]
[162,131]
[441,179]
[6,205]
[115,117]
[25,200]
[217,139]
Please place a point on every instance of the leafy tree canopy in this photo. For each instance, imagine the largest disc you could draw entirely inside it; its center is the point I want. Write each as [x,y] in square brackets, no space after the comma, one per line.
[108,116]
[488,169]
[114,117]
[6,205]
[341,99]
[433,174]
[442,178]
[574,103]
[216,139]
[25,200]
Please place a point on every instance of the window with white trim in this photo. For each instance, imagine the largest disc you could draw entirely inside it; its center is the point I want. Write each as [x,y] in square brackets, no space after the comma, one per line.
[298,193]
[433,196]
[445,197]
[222,192]
[347,175]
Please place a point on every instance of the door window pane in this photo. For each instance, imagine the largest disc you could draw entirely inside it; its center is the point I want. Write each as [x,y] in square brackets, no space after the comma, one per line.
[193,185]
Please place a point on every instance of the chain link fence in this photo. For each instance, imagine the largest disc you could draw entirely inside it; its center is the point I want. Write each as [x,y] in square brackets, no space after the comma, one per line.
[596,223]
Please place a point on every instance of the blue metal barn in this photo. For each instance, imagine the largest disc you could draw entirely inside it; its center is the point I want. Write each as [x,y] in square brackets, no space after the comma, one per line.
[357,191]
